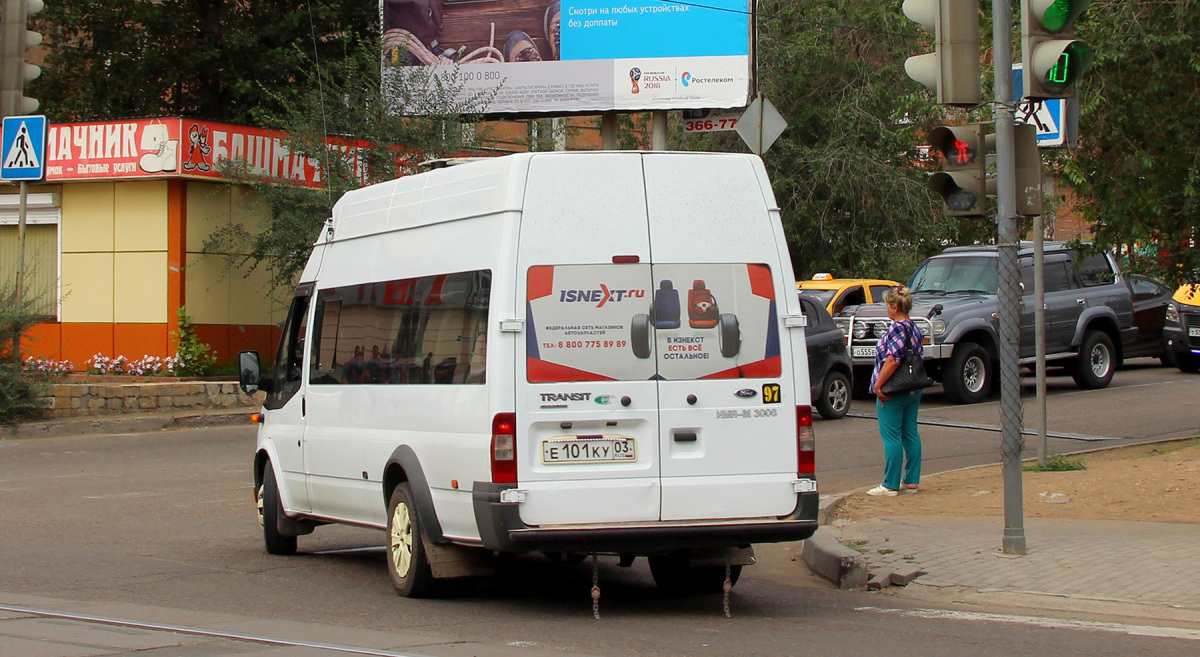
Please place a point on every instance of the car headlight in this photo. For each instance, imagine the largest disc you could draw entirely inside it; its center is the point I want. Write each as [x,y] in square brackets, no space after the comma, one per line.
[843,323]
[1172,314]
[938,326]
[861,330]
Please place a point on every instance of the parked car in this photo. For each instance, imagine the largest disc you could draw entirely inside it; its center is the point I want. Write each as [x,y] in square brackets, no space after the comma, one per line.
[838,294]
[1150,301]
[1182,329]
[830,372]
[1089,318]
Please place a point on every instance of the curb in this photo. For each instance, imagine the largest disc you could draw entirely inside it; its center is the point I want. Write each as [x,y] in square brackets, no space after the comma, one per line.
[129,423]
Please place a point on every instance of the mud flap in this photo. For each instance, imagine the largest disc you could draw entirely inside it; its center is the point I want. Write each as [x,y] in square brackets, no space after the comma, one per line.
[451,561]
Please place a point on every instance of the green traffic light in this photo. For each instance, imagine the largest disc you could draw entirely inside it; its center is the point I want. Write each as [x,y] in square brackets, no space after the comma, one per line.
[1057,16]
[1060,73]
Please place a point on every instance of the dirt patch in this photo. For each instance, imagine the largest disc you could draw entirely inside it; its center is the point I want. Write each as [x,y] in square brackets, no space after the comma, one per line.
[1158,483]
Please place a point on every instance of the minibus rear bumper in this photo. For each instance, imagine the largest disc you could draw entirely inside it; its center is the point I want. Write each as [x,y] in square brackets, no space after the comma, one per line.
[501,528]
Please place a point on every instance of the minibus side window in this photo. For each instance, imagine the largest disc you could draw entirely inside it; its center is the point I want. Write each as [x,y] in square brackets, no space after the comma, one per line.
[286,374]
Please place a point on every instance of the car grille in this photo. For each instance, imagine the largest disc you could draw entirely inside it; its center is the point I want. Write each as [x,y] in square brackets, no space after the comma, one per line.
[1190,321]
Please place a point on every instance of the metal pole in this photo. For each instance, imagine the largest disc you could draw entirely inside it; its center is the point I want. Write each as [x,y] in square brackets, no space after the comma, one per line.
[758,133]
[19,293]
[608,131]
[1039,318]
[1007,242]
[658,130]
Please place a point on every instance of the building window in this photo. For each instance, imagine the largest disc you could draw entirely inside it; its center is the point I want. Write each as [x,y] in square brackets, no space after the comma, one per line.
[42,217]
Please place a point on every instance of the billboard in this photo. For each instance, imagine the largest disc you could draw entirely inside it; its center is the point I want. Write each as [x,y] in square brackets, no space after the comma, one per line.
[154,148]
[578,55]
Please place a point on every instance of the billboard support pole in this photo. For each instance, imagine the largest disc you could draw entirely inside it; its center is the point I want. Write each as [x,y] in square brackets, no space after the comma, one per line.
[658,130]
[608,131]
[19,294]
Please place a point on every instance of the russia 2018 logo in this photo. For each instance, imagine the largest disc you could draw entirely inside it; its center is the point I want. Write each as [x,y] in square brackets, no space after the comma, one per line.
[635,74]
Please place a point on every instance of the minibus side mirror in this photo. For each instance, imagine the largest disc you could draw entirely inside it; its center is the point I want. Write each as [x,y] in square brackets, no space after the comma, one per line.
[249,372]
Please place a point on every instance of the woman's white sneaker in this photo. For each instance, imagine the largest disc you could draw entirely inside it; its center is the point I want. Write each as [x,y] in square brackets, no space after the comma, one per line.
[882,490]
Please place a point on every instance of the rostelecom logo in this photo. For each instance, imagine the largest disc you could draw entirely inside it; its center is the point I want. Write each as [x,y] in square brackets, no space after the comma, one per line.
[635,74]
[686,78]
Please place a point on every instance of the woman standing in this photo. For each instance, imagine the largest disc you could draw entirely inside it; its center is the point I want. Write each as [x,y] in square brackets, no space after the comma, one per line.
[898,415]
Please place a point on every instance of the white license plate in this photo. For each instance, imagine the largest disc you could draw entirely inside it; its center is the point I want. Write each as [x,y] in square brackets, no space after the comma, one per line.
[588,449]
[1194,332]
[863,352]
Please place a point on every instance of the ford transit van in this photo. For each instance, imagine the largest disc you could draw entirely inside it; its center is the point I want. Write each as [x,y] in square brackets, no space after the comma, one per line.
[569,353]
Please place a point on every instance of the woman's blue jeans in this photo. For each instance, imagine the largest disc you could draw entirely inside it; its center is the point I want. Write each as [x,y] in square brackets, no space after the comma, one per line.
[901,442]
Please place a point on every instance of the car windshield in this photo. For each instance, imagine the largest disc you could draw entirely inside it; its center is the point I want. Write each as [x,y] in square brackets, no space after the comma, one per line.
[955,274]
[824,296]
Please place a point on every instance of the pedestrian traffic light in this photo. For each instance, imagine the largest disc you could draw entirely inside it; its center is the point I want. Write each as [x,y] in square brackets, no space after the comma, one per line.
[952,70]
[1053,59]
[962,182]
[14,70]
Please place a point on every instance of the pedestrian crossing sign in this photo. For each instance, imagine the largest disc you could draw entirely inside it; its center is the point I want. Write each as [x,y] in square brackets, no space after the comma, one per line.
[23,148]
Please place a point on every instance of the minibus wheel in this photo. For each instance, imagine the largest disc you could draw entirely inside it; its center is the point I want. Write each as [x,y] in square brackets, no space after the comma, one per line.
[407,563]
[270,510]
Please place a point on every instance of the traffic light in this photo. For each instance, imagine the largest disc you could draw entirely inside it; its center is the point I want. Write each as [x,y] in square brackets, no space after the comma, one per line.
[952,70]
[1053,59]
[14,71]
[962,182]
[1029,170]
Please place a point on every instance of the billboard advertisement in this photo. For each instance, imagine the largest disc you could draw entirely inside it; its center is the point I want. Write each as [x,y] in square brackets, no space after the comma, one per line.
[578,55]
[154,148]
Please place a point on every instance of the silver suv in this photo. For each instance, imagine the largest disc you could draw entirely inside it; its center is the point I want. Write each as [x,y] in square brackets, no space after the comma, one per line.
[1089,318]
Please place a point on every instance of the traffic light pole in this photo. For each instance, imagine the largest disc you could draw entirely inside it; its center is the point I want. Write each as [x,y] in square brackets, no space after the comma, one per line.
[1007,241]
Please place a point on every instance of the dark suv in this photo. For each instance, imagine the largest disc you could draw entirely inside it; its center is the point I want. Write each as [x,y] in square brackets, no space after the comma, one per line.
[1089,318]
[1182,330]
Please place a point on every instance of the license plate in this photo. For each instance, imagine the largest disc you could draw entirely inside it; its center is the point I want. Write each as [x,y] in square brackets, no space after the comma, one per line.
[1194,332]
[588,449]
[863,352]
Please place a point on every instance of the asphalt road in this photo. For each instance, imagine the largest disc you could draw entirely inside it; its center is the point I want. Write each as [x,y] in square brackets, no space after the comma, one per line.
[166,520]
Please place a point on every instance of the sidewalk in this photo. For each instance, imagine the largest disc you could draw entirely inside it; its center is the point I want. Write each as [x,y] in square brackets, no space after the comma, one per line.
[1142,570]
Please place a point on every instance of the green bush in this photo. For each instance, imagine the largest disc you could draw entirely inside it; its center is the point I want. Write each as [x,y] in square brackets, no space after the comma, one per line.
[19,391]
[1056,463]
[193,356]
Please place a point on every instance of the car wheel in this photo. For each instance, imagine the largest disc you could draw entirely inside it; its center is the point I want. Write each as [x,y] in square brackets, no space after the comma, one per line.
[1096,363]
[967,378]
[407,563]
[834,401]
[1189,363]
[639,336]
[270,510]
[673,574]
[730,335]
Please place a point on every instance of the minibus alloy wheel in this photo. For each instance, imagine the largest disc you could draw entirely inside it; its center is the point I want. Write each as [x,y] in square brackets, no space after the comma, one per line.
[407,564]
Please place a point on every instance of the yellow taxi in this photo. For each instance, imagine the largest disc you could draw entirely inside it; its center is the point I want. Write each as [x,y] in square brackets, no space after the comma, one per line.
[838,293]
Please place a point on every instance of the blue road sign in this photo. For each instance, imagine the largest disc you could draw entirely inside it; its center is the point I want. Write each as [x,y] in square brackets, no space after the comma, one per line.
[23,148]
[1048,115]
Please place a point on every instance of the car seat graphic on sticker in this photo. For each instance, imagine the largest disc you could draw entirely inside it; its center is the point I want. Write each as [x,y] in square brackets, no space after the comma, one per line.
[702,306]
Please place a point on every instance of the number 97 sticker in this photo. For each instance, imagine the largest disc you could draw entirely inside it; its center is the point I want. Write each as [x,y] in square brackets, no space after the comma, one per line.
[771,393]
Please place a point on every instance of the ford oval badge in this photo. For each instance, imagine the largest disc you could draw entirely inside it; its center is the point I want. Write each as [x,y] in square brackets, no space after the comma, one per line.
[745,393]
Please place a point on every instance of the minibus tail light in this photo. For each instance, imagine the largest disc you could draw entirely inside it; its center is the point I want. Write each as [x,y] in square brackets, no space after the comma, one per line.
[504,448]
[806,454]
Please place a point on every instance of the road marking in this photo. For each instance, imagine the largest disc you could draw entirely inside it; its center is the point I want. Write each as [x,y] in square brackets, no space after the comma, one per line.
[1049,623]
[197,631]
[994,427]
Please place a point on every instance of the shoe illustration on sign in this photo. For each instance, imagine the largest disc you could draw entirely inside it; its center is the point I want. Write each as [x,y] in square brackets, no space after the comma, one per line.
[21,155]
[164,155]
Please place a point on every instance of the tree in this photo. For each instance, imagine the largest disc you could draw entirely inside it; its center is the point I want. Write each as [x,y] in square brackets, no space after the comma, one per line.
[846,172]
[353,102]
[222,60]
[1137,166]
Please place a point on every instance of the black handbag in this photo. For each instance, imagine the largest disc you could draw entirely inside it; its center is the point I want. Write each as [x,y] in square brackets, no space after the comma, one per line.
[910,374]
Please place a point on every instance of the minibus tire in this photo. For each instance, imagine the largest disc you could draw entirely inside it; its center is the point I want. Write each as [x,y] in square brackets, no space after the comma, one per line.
[639,336]
[730,335]
[672,573]
[407,564]
[270,511]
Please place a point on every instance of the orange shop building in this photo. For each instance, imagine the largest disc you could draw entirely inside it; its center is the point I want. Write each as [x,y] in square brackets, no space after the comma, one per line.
[115,239]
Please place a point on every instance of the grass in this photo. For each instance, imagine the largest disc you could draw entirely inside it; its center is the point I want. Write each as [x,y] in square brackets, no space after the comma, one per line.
[856,545]
[1171,448]
[1057,463]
